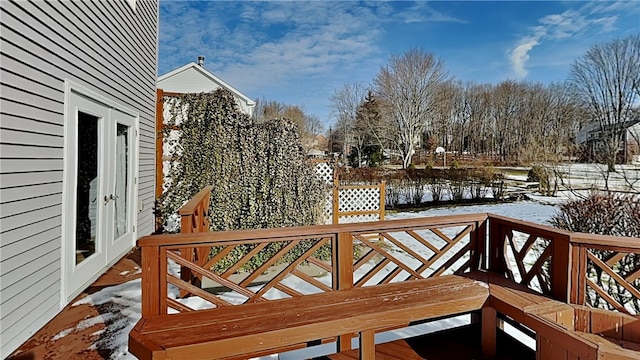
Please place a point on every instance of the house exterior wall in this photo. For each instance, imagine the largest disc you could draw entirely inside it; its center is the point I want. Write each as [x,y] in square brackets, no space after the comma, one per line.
[108,47]
[193,81]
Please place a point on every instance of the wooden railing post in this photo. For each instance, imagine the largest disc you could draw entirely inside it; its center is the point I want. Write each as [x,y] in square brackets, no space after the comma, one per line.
[342,253]
[496,261]
[186,227]
[159,141]
[383,190]
[335,200]
[342,276]
[577,294]
[479,252]
[194,219]
[151,281]
[561,267]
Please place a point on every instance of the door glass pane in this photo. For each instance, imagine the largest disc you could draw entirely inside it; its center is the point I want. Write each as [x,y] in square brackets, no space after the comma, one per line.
[122,180]
[87,189]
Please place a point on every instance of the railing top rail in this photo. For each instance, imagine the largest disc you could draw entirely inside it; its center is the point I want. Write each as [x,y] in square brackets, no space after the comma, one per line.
[526,226]
[190,207]
[606,242]
[259,235]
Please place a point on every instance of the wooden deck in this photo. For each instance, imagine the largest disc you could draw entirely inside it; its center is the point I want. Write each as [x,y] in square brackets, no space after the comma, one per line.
[454,344]
[537,277]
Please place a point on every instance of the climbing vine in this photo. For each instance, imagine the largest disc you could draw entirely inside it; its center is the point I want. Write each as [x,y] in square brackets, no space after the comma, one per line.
[259,173]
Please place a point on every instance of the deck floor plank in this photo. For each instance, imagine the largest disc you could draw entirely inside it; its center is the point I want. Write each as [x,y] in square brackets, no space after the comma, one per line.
[453,344]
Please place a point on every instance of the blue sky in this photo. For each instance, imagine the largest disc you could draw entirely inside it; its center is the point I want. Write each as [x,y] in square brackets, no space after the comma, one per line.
[300,52]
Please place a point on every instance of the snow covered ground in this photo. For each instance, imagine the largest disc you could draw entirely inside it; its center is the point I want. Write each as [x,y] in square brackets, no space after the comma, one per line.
[595,176]
[124,300]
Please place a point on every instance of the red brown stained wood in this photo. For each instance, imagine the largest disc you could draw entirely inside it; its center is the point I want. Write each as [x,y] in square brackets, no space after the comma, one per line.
[561,270]
[568,340]
[399,348]
[150,298]
[395,350]
[159,141]
[510,299]
[609,350]
[367,348]
[489,331]
[305,319]
[267,235]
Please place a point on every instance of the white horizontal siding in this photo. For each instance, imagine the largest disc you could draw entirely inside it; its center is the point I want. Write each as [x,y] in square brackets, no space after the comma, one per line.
[9,195]
[14,269]
[102,45]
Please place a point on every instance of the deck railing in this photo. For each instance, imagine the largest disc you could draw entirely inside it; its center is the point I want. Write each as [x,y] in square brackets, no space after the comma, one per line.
[194,218]
[606,271]
[266,264]
[190,271]
[577,268]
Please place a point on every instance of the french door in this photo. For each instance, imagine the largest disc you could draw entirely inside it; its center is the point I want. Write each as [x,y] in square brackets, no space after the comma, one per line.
[100,189]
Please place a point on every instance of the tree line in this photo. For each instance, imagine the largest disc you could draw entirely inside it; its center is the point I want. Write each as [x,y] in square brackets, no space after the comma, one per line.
[413,105]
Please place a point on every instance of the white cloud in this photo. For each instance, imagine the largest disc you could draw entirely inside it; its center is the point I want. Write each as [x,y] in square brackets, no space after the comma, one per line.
[592,18]
[423,12]
[520,55]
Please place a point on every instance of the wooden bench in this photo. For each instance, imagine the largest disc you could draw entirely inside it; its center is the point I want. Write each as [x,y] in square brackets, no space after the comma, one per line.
[240,332]
[234,332]
[553,322]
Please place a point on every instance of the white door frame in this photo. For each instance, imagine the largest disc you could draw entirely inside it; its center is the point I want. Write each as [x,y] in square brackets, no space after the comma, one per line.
[75,278]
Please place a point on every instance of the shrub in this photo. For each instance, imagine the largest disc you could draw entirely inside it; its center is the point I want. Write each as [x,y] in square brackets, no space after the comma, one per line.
[543,176]
[606,214]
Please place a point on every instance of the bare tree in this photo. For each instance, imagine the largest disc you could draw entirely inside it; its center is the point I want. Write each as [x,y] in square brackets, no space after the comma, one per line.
[407,84]
[447,99]
[314,125]
[345,103]
[605,80]
[309,126]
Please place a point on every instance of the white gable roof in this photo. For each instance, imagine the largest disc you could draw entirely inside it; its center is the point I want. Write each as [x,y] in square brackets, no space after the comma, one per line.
[193,78]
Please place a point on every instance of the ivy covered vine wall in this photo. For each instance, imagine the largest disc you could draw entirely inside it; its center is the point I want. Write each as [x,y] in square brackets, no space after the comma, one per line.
[259,172]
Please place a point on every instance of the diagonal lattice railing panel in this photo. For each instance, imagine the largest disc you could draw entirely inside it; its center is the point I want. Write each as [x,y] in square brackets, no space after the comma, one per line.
[244,272]
[408,254]
[613,280]
[528,259]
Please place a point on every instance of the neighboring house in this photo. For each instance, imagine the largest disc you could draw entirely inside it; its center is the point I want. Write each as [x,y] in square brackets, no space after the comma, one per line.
[77,134]
[194,78]
[188,79]
[316,147]
[590,138]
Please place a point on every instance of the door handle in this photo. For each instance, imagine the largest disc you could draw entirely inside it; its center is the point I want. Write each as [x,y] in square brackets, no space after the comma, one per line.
[109,198]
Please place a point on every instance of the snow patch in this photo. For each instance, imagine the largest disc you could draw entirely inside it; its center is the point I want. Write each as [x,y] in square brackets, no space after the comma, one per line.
[62,334]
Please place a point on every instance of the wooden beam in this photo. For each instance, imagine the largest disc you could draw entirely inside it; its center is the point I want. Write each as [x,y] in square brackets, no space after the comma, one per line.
[368,345]
[489,331]
[159,141]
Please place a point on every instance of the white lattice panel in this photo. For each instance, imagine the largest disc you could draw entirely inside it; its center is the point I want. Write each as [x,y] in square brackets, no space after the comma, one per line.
[345,219]
[324,170]
[366,199]
[328,207]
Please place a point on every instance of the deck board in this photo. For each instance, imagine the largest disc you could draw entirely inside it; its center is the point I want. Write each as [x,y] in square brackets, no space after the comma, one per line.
[454,344]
